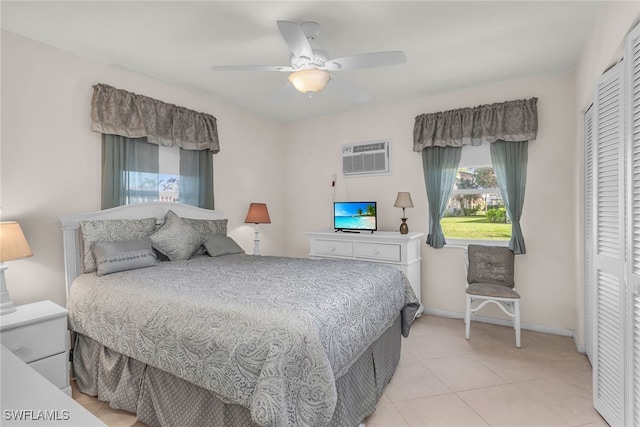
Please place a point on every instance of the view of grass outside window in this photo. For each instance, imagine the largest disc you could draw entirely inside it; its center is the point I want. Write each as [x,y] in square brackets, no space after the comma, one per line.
[476,210]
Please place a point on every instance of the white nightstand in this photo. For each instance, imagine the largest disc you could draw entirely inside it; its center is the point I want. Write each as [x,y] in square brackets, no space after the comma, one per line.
[37,334]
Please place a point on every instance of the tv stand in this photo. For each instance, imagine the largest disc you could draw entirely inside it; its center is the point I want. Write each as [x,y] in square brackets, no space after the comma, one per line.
[349,231]
[386,247]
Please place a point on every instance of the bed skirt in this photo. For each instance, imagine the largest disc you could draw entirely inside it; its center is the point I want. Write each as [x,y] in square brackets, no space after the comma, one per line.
[159,398]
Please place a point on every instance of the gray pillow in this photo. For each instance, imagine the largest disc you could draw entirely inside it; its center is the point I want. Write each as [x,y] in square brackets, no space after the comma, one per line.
[490,264]
[110,231]
[217,245]
[206,227]
[176,239]
[112,257]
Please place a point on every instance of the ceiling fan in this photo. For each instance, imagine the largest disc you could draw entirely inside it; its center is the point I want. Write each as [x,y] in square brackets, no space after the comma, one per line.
[311,69]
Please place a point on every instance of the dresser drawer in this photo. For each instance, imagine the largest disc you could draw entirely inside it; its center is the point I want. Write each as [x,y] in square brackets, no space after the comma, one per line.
[54,369]
[332,247]
[38,340]
[377,251]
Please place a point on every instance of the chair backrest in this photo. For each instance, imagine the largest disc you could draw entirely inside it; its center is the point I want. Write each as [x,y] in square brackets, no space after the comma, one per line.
[490,264]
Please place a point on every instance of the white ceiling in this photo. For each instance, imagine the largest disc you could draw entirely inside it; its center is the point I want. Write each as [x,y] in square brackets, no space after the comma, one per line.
[449,45]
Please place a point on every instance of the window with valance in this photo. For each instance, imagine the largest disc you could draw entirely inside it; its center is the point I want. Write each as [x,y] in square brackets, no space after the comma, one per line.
[507,126]
[139,134]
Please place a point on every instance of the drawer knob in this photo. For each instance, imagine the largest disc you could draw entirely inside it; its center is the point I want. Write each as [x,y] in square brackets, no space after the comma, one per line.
[333,249]
[376,252]
[17,348]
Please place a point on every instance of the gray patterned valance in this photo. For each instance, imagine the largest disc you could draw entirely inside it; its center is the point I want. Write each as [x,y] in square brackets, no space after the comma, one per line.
[507,121]
[118,112]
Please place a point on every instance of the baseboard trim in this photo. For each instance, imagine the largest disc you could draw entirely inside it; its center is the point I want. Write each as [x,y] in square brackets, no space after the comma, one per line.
[502,322]
[581,348]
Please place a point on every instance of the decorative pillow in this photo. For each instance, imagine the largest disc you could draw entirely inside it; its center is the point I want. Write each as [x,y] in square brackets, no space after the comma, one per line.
[490,264]
[110,231]
[222,245]
[112,257]
[207,227]
[175,238]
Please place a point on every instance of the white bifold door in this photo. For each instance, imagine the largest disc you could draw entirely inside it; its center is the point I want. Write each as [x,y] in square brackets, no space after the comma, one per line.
[588,232]
[632,55]
[612,256]
[609,248]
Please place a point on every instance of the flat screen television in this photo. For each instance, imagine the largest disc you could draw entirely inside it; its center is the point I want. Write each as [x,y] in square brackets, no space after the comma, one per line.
[355,216]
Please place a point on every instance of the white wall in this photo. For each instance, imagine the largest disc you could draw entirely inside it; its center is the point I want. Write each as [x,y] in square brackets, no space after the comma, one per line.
[50,160]
[545,275]
[604,49]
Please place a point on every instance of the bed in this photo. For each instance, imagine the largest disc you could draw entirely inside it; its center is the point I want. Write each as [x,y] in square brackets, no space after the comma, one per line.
[213,336]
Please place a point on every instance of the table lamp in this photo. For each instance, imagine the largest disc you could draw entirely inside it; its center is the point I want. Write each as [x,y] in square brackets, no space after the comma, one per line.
[403,200]
[257,214]
[13,245]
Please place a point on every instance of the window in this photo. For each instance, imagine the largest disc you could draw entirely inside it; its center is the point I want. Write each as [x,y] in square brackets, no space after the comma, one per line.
[475,210]
[135,171]
[169,174]
[151,186]
[169,188]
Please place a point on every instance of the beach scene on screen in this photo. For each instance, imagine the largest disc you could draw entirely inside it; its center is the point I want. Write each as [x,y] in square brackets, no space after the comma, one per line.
[354,215]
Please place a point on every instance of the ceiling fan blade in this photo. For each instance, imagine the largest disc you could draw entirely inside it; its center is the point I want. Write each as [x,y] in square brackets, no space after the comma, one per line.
[349,89]
[251,68]
[285,92]
[295,38]
[366,60]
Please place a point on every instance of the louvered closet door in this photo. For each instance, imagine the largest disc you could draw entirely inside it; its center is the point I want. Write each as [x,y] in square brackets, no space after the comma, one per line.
[609,248]
[589,202]
[632,59]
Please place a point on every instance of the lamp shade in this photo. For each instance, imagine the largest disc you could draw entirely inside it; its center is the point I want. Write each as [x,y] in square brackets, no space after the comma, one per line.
[311,80]
[13,244]
[258,214]
[403,200]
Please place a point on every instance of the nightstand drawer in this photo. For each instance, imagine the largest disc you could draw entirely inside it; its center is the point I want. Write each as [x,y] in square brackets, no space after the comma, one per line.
[38,340]
[54,369]
[380,251]
[331,247]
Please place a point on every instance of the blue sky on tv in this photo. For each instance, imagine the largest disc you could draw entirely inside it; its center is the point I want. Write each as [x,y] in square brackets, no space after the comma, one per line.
[351,208]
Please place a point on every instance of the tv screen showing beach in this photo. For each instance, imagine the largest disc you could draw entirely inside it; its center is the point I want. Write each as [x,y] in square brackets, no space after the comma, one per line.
[354,215]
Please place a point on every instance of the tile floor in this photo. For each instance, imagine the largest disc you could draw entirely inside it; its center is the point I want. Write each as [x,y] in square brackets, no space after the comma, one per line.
[444,380]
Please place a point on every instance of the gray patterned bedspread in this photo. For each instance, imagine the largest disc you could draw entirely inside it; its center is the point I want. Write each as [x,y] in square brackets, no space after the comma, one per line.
[268,333]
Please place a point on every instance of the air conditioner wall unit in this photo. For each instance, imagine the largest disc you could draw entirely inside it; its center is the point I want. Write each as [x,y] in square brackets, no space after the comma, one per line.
[366,158]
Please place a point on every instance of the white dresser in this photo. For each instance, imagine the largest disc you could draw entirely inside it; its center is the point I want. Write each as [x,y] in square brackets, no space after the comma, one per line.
[37,334]
[386,247]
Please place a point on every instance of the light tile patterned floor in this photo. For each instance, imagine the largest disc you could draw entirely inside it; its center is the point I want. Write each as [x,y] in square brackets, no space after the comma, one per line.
[445,380]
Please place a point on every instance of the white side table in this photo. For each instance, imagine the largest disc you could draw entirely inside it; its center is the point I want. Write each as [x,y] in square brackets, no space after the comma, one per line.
[37,334]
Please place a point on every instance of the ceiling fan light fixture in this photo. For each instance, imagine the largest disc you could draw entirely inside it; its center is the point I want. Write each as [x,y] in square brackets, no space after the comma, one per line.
[311,80]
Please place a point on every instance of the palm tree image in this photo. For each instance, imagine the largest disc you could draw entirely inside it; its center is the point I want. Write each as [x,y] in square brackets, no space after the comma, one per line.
[354,216]
[371,210]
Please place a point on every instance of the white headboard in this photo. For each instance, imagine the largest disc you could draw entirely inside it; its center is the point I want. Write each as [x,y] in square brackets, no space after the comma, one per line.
[71,223]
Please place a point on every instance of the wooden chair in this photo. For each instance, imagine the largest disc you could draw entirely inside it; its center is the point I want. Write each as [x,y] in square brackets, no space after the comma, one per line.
[490,279]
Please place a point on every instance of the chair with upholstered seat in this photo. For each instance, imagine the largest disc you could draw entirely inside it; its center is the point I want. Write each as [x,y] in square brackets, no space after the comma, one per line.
[490,279]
